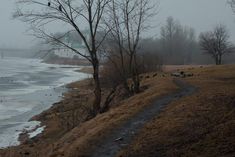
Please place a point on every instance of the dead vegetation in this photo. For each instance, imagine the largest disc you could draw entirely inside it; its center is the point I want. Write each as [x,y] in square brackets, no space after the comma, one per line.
[199,125]
[68,133]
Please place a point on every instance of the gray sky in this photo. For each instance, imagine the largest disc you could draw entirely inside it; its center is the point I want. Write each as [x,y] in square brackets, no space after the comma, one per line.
[202,15]
[11,31]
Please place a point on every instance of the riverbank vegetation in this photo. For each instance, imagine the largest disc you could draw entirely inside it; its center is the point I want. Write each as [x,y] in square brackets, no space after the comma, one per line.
[128,73]
[70,128]
[114,39]
[200,124]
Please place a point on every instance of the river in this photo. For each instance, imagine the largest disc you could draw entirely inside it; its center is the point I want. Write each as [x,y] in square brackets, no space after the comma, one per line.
[28,87]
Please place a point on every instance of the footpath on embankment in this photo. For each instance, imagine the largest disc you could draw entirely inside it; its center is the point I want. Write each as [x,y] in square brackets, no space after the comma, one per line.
[123,135]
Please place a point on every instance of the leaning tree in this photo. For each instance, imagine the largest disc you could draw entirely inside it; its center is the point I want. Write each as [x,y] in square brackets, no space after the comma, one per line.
[74,15]
[216,43]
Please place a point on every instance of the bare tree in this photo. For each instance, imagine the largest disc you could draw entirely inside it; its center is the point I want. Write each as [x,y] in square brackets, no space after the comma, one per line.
[74,14]
[232,3]
[136,16]
[128,19]
[167,34]
[117,42]
[177,42]
[216,43]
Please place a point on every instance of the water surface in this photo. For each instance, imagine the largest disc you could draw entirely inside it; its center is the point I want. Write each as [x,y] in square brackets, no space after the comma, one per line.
[28,87]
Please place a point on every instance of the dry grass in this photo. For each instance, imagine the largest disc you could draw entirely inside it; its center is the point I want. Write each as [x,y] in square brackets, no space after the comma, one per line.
[60,119]
[86,69]
[199,125]
[80,141]
[171,68]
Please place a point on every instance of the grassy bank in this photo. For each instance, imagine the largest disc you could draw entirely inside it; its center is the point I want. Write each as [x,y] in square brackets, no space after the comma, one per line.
[199,125]
[70,131]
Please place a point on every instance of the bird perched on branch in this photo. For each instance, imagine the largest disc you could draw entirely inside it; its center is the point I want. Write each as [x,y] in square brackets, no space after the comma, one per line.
[60,8]
[49,4]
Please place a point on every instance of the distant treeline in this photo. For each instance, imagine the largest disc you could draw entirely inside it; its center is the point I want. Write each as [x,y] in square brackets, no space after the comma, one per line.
[178,45]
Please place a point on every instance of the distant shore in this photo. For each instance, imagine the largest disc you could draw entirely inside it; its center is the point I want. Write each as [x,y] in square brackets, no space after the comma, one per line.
[67,61]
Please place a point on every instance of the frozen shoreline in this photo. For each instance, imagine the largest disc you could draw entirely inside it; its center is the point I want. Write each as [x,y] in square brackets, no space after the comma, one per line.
[20,105]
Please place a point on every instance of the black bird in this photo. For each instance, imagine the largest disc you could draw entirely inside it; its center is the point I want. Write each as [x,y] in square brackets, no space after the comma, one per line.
[49,4]
[60,8]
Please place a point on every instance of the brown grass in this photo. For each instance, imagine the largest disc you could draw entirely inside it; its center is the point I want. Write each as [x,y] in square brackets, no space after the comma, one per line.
[171,68]
[80,141]
[199,125]
[86,69]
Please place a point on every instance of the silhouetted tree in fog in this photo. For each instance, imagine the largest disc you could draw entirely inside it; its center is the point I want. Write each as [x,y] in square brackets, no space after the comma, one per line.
[71,13]
[167,35]
[150,57]
[232,2]
[177,42]
[216,43]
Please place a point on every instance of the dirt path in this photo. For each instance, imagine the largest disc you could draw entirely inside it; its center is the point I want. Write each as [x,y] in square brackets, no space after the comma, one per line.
[122,136]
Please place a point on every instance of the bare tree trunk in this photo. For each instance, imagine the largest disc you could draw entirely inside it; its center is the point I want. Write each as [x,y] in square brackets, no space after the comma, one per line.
[124,72]
[125,85]
[97,90]
[136,84]
[136,76]
[217,60]
[220,59]
[108,100]
[131,69]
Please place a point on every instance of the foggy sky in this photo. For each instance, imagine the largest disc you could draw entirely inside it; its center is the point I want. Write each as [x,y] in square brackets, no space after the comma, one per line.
[202,15]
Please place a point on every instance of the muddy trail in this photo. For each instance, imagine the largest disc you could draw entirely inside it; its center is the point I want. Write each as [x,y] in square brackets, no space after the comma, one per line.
[122,136]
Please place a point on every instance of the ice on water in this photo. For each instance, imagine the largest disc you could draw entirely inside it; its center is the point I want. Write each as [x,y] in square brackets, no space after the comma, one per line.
[28,87]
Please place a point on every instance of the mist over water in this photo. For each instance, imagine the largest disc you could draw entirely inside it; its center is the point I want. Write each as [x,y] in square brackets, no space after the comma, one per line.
[28,87]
